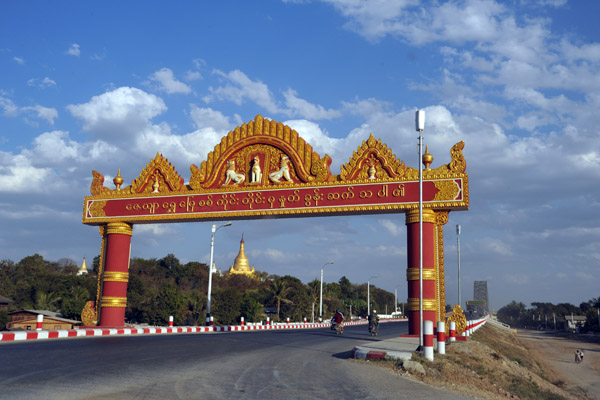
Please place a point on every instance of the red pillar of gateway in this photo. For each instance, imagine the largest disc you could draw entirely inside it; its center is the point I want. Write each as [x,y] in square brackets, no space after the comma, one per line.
[113,299]
[412,272]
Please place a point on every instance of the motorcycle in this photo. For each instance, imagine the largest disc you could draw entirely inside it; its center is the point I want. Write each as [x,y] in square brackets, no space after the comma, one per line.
[338,328]
[373,329]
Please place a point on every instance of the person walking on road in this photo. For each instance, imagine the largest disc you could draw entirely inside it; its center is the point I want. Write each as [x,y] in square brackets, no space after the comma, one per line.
[578,356]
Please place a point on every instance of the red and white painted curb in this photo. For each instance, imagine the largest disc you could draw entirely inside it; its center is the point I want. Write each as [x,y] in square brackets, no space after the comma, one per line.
[6,336]
[370,355]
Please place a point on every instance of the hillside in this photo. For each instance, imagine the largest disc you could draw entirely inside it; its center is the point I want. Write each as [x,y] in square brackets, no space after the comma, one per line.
[493,364]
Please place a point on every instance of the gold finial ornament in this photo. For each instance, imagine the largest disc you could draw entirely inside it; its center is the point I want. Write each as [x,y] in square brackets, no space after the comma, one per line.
[427,158]
[89,317]
[118,181]
[459,319]
[156,184]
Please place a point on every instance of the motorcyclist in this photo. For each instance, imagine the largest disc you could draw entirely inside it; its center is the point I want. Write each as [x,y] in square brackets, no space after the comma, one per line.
[373,320]
[338,318]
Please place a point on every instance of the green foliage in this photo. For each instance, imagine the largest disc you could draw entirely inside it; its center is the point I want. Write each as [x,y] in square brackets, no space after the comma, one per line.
[227,307]
[512,313]
[252,310]
[591,322]
[3,319]
[542,315]
[159,288]
[279,292]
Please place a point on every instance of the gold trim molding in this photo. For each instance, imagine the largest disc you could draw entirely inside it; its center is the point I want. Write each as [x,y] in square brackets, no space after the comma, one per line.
[109,301]
[428,304]
[116,276]
[412,216]
[122,228]
[412,274]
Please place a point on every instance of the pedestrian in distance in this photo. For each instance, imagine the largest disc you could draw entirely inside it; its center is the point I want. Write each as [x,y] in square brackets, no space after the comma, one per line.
[578,356]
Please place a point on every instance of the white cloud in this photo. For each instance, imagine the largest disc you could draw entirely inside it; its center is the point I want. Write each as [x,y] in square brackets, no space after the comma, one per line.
[74,50]
[153,229]
[193,76]
[53,148]
[494,246]
[10,109]
[121,113]
[41,112]
[17,175]
[168,83]
[391,227]
[305,109]
[313,134]
[239,87]
[373,19]
[209,118]
[19,60]
[44,83]
[273,255]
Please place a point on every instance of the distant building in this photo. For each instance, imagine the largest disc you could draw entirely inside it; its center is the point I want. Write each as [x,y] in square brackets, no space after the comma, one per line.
[574,323]
[480,293]
[480,303]
[26,320]
[83,269]
[241,265]
[215,271]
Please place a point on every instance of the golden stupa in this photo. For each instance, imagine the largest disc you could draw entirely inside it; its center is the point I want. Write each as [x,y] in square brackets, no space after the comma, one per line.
[241,265]
[83,269]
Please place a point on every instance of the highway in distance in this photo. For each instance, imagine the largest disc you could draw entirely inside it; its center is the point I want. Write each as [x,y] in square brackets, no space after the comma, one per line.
[294,364]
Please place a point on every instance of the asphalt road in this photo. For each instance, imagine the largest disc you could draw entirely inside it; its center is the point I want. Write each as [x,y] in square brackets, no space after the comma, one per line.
[302,364]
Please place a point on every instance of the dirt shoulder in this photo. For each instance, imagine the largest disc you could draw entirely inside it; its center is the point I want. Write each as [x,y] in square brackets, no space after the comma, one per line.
[497,363]
[556,352]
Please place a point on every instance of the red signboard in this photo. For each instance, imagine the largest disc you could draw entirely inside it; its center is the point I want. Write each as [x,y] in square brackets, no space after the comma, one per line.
[323,199]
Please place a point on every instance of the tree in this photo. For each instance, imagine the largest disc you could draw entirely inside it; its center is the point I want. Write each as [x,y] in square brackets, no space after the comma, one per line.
[169,262]
[252,309]
[279,292]
[73,302]
[196,308]
[227,306]
[313,291]
[591,321]
[3,319]
[46,301]
[511,313]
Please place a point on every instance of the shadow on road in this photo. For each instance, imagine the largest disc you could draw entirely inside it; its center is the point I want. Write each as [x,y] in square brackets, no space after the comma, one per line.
[343,355]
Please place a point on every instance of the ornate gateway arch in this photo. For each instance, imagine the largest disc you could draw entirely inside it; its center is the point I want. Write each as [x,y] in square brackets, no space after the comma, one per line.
[264,168]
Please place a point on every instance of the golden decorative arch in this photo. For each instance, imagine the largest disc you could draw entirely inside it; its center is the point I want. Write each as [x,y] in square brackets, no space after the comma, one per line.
[372,160]
[97,188]
[271,142]
[457,165]
[158,176]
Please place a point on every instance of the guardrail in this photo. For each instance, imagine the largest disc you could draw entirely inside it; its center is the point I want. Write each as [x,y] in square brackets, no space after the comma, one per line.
[133,331]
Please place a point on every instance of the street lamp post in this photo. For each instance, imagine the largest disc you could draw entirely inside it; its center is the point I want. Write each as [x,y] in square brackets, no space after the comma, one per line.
[210,267]
[369,294]
[321,296]
[458,247]
[420,127]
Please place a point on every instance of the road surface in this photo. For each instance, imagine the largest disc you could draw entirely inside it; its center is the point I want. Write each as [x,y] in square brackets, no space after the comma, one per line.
[559,354]
[302,364]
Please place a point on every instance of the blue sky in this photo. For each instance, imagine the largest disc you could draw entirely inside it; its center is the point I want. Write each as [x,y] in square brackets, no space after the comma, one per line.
[108,85]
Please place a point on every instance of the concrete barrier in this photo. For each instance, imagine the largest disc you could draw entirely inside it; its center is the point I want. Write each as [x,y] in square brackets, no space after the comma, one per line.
[441,337]
[428,340]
